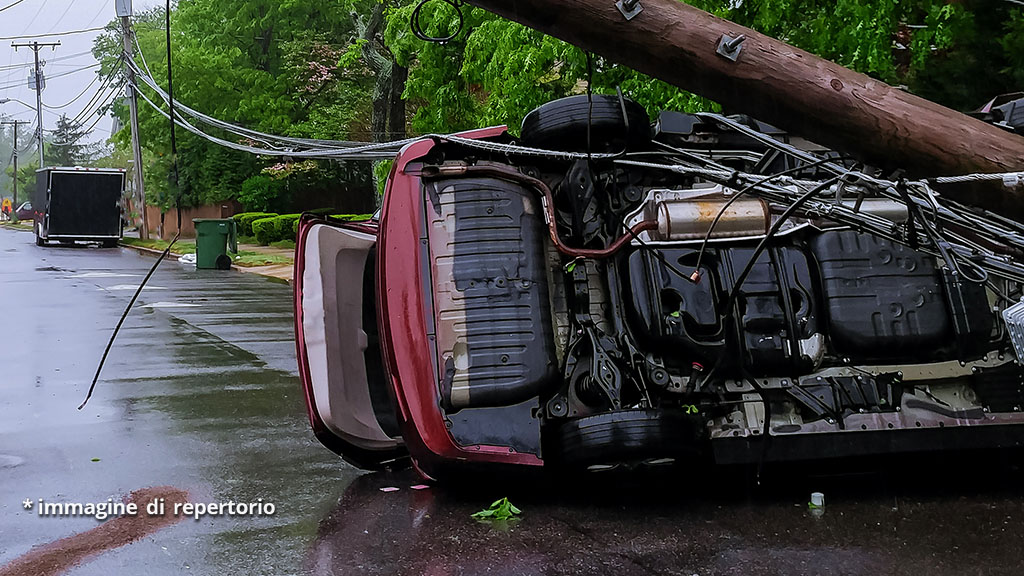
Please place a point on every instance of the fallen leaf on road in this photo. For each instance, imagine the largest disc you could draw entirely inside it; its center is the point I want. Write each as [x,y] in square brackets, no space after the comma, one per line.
[500,510]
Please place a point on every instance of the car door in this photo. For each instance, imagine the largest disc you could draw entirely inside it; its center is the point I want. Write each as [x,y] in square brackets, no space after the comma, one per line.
[350,408]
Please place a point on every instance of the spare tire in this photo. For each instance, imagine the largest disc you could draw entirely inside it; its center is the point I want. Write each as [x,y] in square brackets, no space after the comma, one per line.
[625,436]
[562,125]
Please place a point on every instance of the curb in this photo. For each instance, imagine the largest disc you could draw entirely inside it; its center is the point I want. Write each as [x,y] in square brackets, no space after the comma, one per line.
[149,251]
[241,269]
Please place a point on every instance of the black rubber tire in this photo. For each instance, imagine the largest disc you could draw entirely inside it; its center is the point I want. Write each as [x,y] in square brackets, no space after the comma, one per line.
[223,262]
[562,125]
[40,241]
[625,436]
[110,243]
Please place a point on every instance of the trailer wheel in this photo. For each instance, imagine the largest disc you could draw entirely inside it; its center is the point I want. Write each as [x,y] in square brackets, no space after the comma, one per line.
[562,125]
[39,238]
[110,243]
[625,436]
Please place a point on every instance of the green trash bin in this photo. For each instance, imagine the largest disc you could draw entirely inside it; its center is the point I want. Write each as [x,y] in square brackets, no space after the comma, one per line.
[214,237]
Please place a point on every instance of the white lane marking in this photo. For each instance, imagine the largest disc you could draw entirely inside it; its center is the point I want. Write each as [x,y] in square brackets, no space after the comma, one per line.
[170,305]
[132,287]
[104,275]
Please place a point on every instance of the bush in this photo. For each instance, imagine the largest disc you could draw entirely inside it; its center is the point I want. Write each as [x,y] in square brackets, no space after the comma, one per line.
[264,230]
[245,220]
[350,217]
[285,226]
[341,217]
[259,192]
[275,228]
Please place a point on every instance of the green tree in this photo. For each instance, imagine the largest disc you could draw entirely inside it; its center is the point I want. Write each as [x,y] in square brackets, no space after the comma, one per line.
[352,69]
[495,71]
[67,147]
[270,65]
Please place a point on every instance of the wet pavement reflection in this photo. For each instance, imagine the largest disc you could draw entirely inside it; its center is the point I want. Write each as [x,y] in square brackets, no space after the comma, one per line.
[908,517]
[200,394]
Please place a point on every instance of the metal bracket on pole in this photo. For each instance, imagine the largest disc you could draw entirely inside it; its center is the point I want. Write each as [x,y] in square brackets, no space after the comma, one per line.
[730,47]
[629,8]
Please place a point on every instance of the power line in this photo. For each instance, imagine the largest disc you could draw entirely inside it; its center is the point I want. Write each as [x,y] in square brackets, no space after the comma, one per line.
[100,11]
[11,5]
[38,12]
[63,14]
[68,73]
[48,35]
[283,145]
[106,100]
[85,112]
[73,100]
[50,61]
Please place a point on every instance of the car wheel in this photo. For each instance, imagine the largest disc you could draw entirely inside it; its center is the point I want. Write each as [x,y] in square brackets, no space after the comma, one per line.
[625,436]
[562,125]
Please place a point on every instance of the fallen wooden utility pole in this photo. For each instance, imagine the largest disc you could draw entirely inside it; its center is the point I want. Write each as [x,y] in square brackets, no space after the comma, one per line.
[777,83]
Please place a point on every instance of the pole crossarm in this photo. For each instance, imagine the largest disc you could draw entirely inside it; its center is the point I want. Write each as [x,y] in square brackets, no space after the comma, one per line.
[36,47]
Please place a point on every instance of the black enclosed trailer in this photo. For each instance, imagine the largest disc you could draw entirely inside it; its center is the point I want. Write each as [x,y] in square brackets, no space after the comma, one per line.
[78,204]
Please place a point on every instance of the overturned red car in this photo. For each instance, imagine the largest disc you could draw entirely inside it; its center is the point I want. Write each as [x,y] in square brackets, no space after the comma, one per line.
[604,292]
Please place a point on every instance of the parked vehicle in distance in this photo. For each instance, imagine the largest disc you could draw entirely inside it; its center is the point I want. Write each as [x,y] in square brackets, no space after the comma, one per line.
[78,204]
[713,290]
[24,212]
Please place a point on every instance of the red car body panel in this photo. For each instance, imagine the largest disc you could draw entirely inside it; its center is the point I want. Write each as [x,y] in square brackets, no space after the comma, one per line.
[404,305]
[403,309]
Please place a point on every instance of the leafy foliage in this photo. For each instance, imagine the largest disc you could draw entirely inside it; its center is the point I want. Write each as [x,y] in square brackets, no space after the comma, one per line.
[259,192]
[244,221]
[499,510]
[352,69]
[496,71]
[264,230]
[271,65]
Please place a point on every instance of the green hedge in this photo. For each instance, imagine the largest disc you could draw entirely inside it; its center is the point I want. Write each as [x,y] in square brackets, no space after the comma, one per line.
[350,217]
[264,230]
[245,220]
[275,228]
[342,217]
[285,226]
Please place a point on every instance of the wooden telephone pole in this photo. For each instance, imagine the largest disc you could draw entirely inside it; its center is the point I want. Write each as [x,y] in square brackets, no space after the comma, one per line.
[137,180]
[749,72]
[38,77]
[15,123]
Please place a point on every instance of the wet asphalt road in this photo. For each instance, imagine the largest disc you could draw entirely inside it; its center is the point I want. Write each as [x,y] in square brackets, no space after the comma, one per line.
[200,393]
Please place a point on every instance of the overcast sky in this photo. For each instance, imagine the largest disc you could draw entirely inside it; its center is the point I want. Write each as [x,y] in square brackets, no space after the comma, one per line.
[66,73]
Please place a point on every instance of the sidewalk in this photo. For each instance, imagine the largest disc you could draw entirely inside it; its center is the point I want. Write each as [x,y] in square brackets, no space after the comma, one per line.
[284,271]
[252,258]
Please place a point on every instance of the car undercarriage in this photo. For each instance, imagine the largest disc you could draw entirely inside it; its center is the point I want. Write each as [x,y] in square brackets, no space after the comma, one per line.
[599,293]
